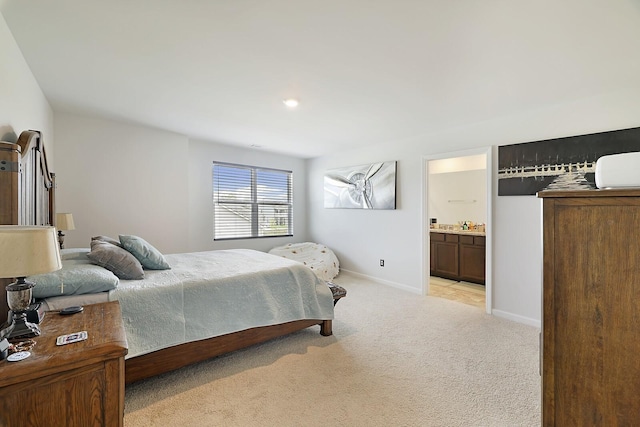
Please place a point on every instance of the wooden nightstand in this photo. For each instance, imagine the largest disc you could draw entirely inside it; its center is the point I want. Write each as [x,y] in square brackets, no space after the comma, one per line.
[78,384]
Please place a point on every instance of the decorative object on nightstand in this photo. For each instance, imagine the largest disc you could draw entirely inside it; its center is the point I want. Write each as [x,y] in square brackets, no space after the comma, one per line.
[25,251]
[64,222]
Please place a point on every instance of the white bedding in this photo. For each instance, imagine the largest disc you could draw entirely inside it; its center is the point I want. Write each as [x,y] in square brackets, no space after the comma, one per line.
[206,294]
[317,257]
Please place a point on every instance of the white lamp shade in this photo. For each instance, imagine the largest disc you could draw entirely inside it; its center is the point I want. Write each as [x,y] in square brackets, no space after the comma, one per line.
[64,221]
[28,250]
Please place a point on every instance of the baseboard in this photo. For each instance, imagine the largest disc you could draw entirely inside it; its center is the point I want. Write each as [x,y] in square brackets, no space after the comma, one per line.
[517,318]
[384,282]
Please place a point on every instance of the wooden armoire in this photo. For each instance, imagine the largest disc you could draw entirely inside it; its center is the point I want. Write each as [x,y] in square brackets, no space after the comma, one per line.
[590,345]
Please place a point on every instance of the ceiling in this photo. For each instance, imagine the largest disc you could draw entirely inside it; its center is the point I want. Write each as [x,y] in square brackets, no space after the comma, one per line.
[365,71]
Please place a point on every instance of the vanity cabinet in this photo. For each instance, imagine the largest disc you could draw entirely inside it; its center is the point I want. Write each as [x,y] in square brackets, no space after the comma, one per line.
[591,308]
[445,258]
[472,258]
[457,256]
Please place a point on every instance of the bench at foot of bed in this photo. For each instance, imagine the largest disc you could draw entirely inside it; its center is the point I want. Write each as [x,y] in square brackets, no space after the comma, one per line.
[337,291]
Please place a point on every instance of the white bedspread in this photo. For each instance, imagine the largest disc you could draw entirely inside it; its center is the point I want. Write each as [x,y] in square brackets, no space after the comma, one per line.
[317,257]
[206,294]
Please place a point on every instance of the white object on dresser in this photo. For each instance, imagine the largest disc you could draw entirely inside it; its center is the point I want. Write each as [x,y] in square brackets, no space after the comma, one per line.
[618,170]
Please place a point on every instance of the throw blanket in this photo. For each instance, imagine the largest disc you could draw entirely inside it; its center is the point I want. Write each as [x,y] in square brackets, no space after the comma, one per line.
[317,257]
[206,294]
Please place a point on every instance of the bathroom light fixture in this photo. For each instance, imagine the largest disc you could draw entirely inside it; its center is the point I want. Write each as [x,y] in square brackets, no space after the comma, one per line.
[291,102]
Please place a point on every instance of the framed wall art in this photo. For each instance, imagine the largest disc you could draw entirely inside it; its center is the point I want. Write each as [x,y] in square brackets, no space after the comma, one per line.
[370,186]
[559,164]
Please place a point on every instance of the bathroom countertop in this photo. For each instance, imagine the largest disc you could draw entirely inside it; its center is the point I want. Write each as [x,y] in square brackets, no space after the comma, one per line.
[467,232]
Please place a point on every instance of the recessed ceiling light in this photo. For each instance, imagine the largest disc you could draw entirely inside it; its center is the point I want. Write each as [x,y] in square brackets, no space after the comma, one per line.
[291,102]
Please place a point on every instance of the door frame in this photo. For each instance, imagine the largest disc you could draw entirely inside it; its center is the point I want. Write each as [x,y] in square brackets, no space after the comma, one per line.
[426,255]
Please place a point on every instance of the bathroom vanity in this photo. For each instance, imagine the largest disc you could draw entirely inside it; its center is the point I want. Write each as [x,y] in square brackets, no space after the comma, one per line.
[458,255]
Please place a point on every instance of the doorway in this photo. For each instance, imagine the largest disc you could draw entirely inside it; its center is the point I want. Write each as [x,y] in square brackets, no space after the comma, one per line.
[457,226]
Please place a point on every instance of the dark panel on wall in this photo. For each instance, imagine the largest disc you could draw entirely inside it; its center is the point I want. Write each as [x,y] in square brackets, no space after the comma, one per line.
[561,163]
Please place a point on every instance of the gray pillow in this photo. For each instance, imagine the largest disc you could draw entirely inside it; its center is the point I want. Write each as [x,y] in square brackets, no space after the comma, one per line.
[148,256]
[76,277]
[114,258]
[106,239]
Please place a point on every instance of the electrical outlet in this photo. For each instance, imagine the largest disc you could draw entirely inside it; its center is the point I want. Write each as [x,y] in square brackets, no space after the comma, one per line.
[381,263]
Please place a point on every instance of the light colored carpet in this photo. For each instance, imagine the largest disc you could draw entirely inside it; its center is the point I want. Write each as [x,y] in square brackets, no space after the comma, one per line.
[395,359]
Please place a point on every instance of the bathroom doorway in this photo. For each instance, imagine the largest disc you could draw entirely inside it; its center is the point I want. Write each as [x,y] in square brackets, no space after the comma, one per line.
[457,224]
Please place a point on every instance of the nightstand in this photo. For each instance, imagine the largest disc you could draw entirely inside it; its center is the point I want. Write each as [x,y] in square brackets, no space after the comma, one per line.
[77,384]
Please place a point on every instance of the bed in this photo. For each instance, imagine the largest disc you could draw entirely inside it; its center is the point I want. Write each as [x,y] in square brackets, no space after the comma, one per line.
[181,298]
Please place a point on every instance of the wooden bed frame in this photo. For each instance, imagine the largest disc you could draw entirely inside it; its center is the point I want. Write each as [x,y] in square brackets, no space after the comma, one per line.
[27,190]
[29,186]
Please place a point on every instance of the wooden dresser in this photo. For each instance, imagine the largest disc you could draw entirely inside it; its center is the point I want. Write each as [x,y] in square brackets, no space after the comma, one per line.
[77,384]
[591,308]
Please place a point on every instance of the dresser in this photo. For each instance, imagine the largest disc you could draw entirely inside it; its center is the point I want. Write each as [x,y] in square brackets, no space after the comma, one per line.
[78,384]
[590,342]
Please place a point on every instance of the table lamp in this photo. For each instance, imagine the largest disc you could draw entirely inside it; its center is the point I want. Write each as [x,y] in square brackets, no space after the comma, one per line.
[25,251]
[64,222]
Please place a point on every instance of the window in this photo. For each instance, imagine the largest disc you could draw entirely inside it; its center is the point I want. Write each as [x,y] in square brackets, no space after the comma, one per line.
[251,202]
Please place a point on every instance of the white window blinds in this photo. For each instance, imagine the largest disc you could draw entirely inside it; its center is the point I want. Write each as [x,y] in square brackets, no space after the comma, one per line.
[251,202]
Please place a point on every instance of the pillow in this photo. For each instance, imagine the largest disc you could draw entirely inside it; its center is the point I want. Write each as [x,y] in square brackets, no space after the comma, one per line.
[107,239]
[74,254]
[114,258]
[74,278]
[148,256]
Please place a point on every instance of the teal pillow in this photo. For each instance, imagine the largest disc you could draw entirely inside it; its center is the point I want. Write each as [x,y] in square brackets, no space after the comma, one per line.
[116,259]
[74,254]
[148,256]
[74,278]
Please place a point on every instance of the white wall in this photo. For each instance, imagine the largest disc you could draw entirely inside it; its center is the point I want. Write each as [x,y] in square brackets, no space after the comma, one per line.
[458,196]
[23,106]
[360,238]
[118,178]
[201,156]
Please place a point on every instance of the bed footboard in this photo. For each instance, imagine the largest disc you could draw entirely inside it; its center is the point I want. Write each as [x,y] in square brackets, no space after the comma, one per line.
[172,358]
[158,362]
[326,328]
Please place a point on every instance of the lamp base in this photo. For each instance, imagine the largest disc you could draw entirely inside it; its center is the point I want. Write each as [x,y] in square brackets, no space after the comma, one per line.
[61,239]
[19,299]
[23,329]
[4,348]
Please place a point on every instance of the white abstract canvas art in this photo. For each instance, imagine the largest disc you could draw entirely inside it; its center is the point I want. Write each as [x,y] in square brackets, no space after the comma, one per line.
[371,186]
